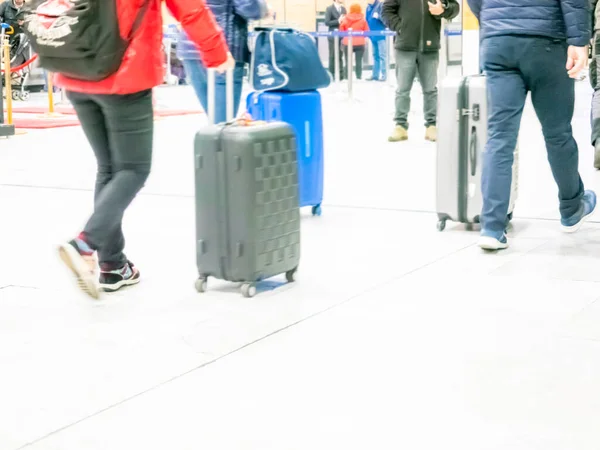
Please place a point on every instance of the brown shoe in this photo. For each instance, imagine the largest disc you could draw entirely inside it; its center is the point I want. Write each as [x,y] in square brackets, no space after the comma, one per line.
[399,134]
[431,133]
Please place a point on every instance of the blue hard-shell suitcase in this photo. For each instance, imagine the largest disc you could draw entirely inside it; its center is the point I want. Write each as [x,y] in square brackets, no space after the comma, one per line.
[301,110]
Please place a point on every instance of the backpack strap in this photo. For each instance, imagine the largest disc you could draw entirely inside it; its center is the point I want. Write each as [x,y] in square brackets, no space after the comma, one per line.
[138,19]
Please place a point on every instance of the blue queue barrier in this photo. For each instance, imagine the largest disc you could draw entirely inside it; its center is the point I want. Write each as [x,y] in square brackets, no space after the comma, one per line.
[171,35]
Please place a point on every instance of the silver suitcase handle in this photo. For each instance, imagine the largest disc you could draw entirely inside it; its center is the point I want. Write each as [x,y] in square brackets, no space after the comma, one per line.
[212,94]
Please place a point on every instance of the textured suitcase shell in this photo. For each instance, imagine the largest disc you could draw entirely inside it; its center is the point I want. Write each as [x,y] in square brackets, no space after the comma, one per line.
[459,158]
[303,111]
[247,208]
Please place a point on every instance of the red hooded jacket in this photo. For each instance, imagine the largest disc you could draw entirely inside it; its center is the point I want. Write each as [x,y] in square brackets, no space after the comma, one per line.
[142,66]
[356,21]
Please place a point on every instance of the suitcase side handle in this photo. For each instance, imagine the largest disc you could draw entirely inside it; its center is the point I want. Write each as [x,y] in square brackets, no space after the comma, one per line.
[211,94]
[473,151]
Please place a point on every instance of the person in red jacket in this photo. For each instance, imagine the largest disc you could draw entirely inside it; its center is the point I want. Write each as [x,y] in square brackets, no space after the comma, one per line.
[117,118]
[355,20]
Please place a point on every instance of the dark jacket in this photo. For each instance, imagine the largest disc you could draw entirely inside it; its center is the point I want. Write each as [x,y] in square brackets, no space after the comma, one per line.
[332,17]
[233,17]
[417,29]
[557,19]
[9,13]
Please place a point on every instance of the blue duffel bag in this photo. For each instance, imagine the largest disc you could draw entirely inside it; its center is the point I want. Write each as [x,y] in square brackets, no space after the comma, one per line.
[285,59]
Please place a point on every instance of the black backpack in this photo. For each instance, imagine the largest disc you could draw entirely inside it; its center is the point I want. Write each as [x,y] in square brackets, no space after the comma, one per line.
[79,38]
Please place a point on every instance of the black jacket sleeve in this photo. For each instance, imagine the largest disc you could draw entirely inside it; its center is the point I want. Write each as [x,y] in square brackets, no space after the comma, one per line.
[3,10]
[390,13]
[452,10]
[330,21]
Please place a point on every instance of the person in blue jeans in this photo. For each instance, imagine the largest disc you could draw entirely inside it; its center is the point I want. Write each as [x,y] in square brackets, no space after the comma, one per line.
[233,17]
[540,50]
[379,51]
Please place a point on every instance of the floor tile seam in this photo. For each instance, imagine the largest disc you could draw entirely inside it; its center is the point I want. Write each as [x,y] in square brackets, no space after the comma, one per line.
[328,205]
[236,350]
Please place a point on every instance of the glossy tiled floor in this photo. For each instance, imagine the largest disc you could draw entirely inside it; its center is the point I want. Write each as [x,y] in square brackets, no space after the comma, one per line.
[396,336]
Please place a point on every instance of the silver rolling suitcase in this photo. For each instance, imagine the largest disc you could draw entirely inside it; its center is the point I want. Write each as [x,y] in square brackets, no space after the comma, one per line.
[462,128]
[247,201]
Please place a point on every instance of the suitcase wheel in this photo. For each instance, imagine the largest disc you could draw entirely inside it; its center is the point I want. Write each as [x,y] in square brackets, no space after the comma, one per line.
[316,210]
[510,216]
[441,225]
[201,285]
[248,290]
[290,275]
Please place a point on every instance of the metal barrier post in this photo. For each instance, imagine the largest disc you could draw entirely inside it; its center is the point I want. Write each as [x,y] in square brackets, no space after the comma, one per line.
[443,62]
[50,85]
[350,64]
[389,42]
[7,83]
[336,55]
[167,45]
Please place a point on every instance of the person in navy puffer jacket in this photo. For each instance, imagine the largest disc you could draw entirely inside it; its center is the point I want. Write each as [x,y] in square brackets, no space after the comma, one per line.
[538,46]
[233,17]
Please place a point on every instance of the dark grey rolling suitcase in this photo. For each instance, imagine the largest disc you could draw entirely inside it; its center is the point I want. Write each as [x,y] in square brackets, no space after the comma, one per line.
[247,202]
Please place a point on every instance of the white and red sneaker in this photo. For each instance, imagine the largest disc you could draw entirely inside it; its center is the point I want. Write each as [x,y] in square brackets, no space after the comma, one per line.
[83,265]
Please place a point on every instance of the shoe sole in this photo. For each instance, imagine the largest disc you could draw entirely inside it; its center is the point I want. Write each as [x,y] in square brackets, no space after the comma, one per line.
[575,228]
[120,285]
[73,260]
[398,140]
[490,244]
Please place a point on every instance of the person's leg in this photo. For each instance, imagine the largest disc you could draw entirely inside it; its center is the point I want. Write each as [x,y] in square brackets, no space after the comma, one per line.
[381,45]
[428,72]
[331,45]
[77,254]
[359,51]
[376,60]
[406,68]
[595,112]
[129,122]
[553,98]
[197,75]
[506,94]
[343,67]
[221,93]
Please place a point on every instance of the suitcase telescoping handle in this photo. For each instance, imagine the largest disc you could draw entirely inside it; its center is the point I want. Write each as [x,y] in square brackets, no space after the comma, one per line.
[211,95]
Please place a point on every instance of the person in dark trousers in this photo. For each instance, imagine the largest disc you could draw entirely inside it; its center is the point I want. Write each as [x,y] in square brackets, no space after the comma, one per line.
[595,81]
[539,52]
[233,17]
[117,118]
[418,24]
[334,14]
[355,21]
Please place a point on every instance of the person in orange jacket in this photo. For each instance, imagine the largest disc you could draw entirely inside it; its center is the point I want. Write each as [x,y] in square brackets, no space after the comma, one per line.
[355,21]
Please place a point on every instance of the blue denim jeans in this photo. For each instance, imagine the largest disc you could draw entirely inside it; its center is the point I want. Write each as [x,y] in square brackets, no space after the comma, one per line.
[514,66]
[379,60]
[196,71]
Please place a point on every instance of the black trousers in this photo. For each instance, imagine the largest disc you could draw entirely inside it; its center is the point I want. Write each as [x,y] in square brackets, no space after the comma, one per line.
[359,52]
[331,42]
[119,129]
